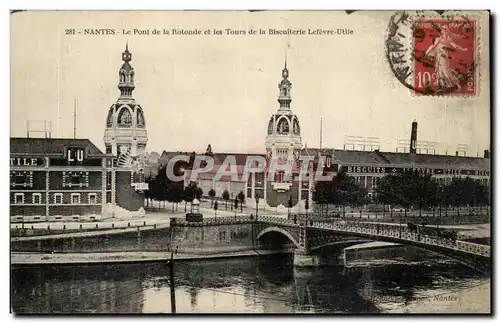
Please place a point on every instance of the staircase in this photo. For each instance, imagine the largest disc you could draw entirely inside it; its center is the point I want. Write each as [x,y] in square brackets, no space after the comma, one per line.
[117,212]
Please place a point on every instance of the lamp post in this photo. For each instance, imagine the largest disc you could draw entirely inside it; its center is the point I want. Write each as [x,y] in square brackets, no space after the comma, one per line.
[400,223]
[235,206]
[256,206]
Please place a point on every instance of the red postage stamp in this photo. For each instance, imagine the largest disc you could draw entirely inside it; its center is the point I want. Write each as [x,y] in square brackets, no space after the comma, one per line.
[444,52]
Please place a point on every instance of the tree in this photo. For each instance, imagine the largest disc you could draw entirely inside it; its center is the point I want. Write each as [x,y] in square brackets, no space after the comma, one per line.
[148,193]
[235,205]
[190,193]
[345,191]
[425,191]
[241,197]
[225,196]
[406,189]
[175,193]
[461,192]
[482,196]
[388,190]
[216,206]
[211,193]
[321,194]
[159,186]
[198,193]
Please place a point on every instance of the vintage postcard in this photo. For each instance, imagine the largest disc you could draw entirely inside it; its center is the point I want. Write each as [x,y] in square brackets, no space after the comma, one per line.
[253,162]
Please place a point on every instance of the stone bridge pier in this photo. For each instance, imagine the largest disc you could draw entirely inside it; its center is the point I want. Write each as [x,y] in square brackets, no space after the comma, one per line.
[303,257]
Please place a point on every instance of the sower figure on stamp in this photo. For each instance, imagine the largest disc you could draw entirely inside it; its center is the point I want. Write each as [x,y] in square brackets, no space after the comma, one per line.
[438,52]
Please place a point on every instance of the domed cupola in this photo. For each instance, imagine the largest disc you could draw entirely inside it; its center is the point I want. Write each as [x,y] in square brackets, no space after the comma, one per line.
[125,124]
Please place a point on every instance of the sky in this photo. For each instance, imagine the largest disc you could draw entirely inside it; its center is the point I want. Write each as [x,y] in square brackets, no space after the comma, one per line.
[222,89]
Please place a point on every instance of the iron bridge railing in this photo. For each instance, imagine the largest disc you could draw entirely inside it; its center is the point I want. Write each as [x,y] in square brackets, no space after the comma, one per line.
[395,233]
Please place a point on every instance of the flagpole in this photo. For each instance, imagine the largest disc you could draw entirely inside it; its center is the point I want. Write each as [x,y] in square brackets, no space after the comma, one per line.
[74,119]
[321,134]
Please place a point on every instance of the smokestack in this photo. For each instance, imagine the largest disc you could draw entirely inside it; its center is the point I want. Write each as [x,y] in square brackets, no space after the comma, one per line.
[486,154]
[413,138]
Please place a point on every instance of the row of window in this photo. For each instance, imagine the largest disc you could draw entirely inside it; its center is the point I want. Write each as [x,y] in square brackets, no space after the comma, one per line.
[364,183]
[375,180]
[69,179]
[125,117]
[36,198]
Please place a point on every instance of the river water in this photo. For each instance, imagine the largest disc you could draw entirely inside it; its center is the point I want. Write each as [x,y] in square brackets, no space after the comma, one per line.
[253,285]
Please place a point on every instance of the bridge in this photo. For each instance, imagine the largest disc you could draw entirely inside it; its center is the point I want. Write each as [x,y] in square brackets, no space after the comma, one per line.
[307,237]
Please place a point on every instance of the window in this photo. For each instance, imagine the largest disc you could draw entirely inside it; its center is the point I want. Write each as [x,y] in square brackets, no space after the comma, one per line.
[280,176]
[305,194]
[296,128]
[259,179]
[270,126]
[21,178]
[92,198]
[109,120]
[125,118]
[37,198]
[75,198]
[283,126]
[75,179]
[18,198]
[140,118]
[109,149]
[58,198]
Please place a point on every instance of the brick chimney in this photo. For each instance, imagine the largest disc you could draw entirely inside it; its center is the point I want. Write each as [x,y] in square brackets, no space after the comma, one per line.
[413,138]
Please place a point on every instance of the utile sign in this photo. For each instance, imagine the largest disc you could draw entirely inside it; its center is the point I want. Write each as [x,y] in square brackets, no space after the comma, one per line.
[26,161]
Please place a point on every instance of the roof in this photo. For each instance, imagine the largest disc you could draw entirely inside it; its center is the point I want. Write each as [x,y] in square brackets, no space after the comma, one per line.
[353,157]
[53,146]
[127,67]
[438,160]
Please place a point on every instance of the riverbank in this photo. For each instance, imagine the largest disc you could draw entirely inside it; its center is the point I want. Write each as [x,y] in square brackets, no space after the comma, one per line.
[98,258]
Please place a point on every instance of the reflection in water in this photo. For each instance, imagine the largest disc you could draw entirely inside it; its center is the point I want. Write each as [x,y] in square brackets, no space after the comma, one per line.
[263,285]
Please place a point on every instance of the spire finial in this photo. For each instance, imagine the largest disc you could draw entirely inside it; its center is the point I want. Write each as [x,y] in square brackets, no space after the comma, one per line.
[126,56]
[284,73]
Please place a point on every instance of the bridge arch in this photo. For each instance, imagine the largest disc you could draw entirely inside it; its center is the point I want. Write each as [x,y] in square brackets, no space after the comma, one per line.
[278,230]
[341,244]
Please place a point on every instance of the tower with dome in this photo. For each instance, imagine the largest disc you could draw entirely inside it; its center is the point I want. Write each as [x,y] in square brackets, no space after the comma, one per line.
[283,145]
[125,124]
